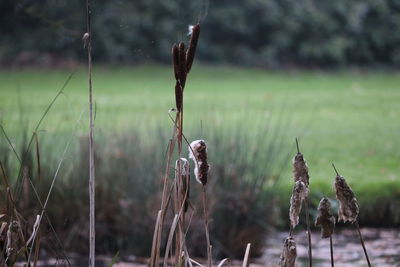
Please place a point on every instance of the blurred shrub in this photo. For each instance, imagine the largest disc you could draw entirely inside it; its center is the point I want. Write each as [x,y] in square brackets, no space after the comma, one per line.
[273,33]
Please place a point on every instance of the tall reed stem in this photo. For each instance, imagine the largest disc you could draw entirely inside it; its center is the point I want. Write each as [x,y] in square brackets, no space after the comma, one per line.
[308,233]
[362,242]
[92,233]
[205,210]
[331,246]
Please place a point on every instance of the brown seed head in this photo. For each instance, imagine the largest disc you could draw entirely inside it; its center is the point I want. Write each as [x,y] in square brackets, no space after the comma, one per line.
[348,206]
[198,153]
[300,191]
[195,33]
[325,219]
[289,253]
[175,60]
[182,65]
[300,169]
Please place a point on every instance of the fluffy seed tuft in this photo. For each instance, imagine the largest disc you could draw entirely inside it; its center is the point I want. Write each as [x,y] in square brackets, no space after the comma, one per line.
[325,219]
[289,253]
[198,153]
[300,192]
[300,169]
[348,206]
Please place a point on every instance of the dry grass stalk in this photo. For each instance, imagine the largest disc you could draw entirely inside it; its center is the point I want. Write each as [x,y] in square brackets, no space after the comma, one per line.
[300,173]
[246,256]
[299,193]
[325,219]
[92,231]
[348,206]
[289,253]
[198,153]
[182,176]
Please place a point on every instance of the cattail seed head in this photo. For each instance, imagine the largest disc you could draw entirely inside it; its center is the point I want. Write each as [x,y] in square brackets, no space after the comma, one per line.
[300,169]
[289,253]
[194,31]
[325,219]
[300,192]
[182,65]
[198,153]
[182,172]
[348,206]
[175,60]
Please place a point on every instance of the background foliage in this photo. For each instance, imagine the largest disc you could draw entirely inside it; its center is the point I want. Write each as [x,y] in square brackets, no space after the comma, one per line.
[271,33]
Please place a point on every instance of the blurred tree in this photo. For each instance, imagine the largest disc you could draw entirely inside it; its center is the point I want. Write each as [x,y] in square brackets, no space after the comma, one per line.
[266,33]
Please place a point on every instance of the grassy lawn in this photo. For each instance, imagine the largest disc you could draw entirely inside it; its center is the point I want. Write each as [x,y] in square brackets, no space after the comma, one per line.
[348,118]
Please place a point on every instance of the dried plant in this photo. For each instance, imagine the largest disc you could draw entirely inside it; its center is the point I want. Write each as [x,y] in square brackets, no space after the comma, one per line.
[12,242]
[300,173]
[299,193]
[348,206]
[325,219]
[300,168]
[198,153]
[182,176]
[289,253]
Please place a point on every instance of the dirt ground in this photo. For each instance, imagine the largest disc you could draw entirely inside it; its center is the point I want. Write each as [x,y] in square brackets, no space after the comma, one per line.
[383,246]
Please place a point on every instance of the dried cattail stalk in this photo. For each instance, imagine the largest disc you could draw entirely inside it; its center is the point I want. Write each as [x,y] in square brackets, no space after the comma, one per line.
[182,172]
[348,206]
[325,219]
[178,96]
[198,153]
[289,253]
[194,31]
[300,169]
[300,192]
[182,65]
[12,243]
[175,60]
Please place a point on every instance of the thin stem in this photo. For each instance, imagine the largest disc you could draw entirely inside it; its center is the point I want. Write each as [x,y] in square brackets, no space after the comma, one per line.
[362,242]
[92,232]
[205,210]
[297,145]
[331,245]
[337,173]
[308,233]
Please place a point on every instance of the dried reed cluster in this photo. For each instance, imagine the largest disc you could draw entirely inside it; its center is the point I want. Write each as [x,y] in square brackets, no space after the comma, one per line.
[300,169]
[348,206]
[182,177]
[289,253]
[325,219]
[182,61]
[198,153]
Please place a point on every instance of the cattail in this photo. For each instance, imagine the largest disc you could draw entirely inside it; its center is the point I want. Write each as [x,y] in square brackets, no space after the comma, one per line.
[348,206]
[325,219]
[194,31]
[175,60]
[182,172]
[300,169]
[12,243]
[289,253]
[198,153]
[300,191]
[182,65]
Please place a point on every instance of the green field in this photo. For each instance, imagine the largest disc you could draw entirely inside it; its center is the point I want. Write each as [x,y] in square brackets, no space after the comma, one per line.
[349,118]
